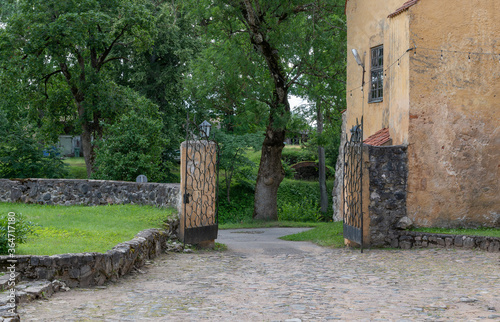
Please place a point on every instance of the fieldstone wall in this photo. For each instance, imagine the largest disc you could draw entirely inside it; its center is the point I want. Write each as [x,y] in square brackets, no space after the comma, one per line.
[414,239]
[70,192]
[388,173]
[89,269]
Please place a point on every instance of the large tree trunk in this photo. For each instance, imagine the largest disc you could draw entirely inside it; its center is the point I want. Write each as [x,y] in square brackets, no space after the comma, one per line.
[322,162]
[271,171]
[270,175]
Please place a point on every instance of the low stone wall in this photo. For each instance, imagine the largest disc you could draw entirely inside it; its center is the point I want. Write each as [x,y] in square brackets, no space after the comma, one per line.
[414,239]
[88,192]
[89,269]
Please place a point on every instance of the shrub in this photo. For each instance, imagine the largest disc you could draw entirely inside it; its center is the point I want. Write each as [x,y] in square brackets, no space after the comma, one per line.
[132,146]
[292,156]
[301,199]
[22,156]
[303,210]
[241,206]
[19,228]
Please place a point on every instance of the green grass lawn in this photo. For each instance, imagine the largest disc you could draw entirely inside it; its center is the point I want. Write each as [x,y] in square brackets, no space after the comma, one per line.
[324,234]
[76,168]
[76,229]
[490,232]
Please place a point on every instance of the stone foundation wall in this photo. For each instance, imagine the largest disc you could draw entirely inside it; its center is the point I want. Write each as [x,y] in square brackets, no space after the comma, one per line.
[88,192]
[89,269]
[413,239]
[388,173]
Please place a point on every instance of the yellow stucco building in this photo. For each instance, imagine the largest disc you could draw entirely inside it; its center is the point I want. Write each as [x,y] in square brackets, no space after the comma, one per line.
[429,72]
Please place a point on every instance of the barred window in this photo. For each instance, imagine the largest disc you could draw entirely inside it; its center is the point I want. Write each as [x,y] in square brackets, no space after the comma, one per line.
[377,75]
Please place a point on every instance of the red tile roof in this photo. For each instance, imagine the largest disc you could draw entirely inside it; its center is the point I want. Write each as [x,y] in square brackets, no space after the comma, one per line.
[378,139]
[404,7]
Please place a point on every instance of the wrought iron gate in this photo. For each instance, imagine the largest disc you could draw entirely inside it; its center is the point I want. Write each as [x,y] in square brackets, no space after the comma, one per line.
[353,182]
[200,184]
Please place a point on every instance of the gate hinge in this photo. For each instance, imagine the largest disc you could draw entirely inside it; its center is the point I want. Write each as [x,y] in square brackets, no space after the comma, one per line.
[186,197]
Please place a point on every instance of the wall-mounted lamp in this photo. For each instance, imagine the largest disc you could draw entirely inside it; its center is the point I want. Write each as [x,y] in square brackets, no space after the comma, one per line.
[356,56]
[360,63]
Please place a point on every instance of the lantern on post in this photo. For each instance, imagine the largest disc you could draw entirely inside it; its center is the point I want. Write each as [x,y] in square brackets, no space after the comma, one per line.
[205,129]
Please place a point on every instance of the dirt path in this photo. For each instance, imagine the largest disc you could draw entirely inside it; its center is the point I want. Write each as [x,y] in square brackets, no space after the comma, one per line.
[261,278]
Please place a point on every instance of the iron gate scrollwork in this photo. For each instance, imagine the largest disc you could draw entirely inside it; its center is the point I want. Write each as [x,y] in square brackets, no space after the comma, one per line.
[200,184]
[353,182]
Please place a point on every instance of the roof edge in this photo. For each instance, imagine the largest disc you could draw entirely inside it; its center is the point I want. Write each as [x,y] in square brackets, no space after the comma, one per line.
[403,8]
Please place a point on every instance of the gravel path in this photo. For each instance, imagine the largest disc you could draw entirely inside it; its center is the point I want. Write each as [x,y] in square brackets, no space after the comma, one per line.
[261,278]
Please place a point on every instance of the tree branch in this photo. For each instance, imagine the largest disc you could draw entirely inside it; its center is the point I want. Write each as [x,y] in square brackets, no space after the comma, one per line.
[47,77]
[106,52]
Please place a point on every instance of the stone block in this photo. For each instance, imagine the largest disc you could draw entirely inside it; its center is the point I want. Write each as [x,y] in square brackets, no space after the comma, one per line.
[440,242]
[405,244]
[394,243]
[448,241]
[459,241]
[494,246]
[469,242]
[74,273]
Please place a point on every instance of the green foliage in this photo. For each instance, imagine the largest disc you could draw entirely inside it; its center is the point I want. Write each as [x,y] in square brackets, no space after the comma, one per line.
[54,57]
[234,161]
[293,156]
[158,72]
[76,229]
[305,210]
[22,156]
[240,209]
[299,201]
[20,229]
[133,145]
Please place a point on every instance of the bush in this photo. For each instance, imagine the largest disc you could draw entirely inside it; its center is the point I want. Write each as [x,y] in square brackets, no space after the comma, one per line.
[304,210]
[20,229]
[132,146]
[292,156]
[22,156]
[299,201]
[241,206]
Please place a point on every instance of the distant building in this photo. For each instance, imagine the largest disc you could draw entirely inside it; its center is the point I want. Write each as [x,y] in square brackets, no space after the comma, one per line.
[69,144]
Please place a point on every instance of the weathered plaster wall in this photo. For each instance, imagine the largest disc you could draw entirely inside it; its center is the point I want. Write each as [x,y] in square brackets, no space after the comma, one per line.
[367,27]
[454,130]
[396,78]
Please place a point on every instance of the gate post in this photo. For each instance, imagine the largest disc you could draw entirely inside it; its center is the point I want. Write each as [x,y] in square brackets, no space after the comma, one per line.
[198,222]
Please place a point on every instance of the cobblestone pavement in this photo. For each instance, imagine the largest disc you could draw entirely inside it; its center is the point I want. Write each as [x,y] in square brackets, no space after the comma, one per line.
[291,281]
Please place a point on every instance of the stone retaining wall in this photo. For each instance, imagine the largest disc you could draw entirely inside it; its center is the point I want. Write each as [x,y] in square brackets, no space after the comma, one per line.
[414,239]
[70,192]
[89,269]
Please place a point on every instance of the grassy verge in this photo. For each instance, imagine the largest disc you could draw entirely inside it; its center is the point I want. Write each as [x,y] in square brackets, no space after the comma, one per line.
[490,232]
[83,229]
[76,168]
[325,234]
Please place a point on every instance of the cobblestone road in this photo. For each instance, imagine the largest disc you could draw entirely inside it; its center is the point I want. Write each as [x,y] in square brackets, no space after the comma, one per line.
[291,281]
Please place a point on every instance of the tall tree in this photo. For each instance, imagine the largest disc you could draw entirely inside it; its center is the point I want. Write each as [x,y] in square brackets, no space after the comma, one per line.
[63,48]
[260,49]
